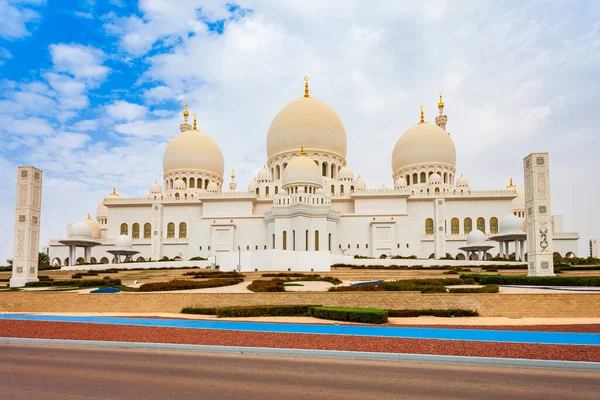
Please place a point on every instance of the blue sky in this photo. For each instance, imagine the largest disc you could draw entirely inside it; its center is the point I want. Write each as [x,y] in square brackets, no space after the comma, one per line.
[92,91]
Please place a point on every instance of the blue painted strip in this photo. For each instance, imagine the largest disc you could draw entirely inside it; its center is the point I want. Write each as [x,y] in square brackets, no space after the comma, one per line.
[563,288]
[591,339]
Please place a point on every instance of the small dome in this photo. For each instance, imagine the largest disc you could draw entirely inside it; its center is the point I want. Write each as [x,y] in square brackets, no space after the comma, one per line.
[124,242]
[212,187]
[155,188]
[302,170]
[252,186]
[80,230]
[475,237]
[301,189]
[359,184]
[462,181]
[435,178]
[94,226]
[400,183]
[424,143]
[511,224]
[320,191]
[193,150]
[519,201]
[101,210]
[264,175]
[346,173]
[179,184]
[306,122]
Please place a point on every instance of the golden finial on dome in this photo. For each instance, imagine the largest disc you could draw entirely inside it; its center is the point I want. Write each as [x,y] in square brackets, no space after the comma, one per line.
[114,192]
[302,153]
[344,163]
[306,86]
[194,121]
[89,218]
[441,103]
[186,112]
[422,115]
[510,185]
[232,174]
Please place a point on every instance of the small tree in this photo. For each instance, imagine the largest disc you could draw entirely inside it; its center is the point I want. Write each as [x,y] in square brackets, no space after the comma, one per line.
[9,262]
[43,259]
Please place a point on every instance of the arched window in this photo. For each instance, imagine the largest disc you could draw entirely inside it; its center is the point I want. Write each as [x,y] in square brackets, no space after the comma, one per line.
[306,241]
[171,184]
[415,179]
[276,189]
[333,171]
[407,178]
[481,224]
[494,225]
[445,177]
[284,238]
[294,240]
[329,241]
[332,189]
[182,230]
[273,242]
[266,190]
[430,173]
[341,189]
[278,171]
[147,230]
[124,229]
[352,188]
[316,240]
[184,181]
[454,226]
[468,225]
[170,230]
[104,260]
[206,183]
[135,231]
[257,191]
[437,190]
[423,177]
[176,196]
[324,168]
[429,226]
[192,183]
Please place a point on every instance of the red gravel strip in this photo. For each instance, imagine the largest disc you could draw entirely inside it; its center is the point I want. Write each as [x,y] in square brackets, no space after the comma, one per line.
[583,328]
[124,333]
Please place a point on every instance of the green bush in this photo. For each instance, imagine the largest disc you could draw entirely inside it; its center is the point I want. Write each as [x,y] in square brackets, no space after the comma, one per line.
[214,274]
[44,278]
[412,257]
[76,283]
[485,289]
[198,258]
[362,288]
[275,285]
[434,313]
[185,285]
[451,272]
[201,311]
[400,286]
[361,315]
[536,280]
[289,275]
[263,311]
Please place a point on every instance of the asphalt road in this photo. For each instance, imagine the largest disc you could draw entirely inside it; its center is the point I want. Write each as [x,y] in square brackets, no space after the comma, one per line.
[37,372]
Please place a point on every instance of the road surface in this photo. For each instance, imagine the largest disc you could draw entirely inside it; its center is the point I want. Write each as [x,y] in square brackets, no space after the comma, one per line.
[38,372]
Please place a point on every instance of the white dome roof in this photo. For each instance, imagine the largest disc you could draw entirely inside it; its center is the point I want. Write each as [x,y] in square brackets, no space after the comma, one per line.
[193,150]
[424,143]
[320,191]
[124,242]
[264,175]
[302,170]
[435,178]
[475,237]
[212,187]
[101,210]
[346,173]
[511,224]
[519,201]
[80,230]
[400,182]
[94,226]
[155,188]
[252,186]
[306,122]
[179,184]
[462,181]
[359,183]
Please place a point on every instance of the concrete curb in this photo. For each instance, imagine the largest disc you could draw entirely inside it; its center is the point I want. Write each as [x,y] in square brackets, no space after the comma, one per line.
[347,355]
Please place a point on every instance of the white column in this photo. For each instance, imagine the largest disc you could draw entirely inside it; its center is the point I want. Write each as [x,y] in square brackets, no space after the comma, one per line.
[501,249]
[86,254]
[72,255]
[517,251]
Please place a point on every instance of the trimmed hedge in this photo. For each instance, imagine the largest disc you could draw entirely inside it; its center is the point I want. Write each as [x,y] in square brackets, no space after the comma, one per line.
[535,280]
[214,274]
[275,285]
[263,311]
[77,283]
[363,288]
[201,311]
[434,313]
[400,286]
[485,289]
[289,275]
[361,315]
[409,285]
[185,285]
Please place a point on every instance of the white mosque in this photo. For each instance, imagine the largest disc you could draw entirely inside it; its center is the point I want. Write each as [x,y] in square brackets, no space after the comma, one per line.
[307,201]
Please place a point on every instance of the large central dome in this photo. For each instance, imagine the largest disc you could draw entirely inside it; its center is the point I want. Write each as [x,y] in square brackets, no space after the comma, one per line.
[306,122]
[193,150]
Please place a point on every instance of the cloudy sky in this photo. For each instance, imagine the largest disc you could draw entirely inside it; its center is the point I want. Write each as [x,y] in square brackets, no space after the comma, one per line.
[92,91]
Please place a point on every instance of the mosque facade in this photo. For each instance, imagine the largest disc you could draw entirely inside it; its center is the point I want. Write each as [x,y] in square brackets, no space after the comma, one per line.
[307,198]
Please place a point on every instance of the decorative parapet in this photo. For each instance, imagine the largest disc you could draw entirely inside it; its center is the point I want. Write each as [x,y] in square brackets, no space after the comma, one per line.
[565,235]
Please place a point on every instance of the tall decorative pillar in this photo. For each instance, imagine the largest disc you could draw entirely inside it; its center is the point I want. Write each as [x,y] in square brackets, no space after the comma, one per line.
[439,229]
[27,226]
[538,215]
[158,211]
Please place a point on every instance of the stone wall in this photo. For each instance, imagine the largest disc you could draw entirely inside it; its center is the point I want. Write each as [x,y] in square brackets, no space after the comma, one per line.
[488,305]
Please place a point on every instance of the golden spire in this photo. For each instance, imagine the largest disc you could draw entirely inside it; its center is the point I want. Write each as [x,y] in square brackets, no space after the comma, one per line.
[186,112]
[194,121]
[302,153]
[232,174]
[441,103]
[344,163]
[306,86]
[422,115]
[114,193]
[510,185]
[89,218]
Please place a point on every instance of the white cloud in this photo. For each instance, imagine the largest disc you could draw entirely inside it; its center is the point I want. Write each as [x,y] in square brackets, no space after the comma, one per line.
[158,94]
[85,15]
[15,17]
[82,62]
[123,110]
[4,55]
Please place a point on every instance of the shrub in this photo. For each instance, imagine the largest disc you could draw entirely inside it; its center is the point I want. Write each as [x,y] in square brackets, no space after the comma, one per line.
[499,266]
[400,286]
[362,288]
[289,275]
[198,258]
[214,274]
[275,285]
[363,257]
[361,315]
[536,280]
[76,283]
[44,278]
[412,257]
[202,311]
[263,311]
[451,272]
[76,276]
[485,289]
[435,313]
[185,285]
